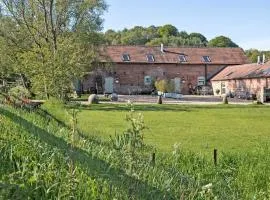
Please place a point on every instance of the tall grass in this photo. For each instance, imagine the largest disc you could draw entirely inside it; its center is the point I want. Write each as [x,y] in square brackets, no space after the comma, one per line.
[36,155]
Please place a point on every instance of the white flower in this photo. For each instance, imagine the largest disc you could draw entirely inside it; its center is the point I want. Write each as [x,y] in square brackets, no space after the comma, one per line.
[207,187]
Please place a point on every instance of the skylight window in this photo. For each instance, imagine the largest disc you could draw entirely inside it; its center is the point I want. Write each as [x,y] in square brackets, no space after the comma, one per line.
[182,58]
[150,58]
[206,59]
[125,57]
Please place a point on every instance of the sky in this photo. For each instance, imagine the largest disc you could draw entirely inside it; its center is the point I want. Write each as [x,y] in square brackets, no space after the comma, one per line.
[246,22]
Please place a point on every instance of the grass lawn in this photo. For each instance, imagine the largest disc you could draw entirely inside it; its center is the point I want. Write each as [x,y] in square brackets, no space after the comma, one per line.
[197,128]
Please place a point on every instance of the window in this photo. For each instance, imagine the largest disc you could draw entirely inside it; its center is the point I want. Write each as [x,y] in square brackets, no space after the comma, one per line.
[206,59]
[147,80]
[223,88]
[182,58]
[150,58]
[125,57]
[201,81]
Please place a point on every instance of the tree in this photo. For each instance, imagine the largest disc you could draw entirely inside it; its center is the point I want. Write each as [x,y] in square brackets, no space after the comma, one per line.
[134,36]
[112,37]
[200,36]
[153,35]
[167,30]
[183,34]
[221,41]
[164,85]
[61,37]
[253,54]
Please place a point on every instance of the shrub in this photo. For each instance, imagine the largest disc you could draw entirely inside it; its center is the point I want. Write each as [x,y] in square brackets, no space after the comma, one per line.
[19,92]
[165,85]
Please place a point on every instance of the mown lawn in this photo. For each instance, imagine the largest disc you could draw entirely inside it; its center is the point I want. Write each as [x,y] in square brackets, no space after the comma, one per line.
[197,128]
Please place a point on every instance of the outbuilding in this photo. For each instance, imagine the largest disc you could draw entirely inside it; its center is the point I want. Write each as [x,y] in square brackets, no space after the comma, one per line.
[133,69]
[244,81]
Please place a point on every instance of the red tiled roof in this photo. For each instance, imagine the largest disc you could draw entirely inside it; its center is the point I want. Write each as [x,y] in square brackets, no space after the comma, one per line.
[253,70]
[226,56]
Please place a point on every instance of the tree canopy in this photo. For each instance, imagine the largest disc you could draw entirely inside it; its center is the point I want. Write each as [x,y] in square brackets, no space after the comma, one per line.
[221,41]
[154,35]
[167,30]
[253,54]
[52,41]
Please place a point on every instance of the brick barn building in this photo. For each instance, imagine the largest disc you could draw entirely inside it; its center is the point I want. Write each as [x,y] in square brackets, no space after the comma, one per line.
[133,69]
[244,81]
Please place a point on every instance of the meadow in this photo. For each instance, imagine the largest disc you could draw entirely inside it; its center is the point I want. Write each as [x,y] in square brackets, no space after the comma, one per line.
[47,154]
[229,128]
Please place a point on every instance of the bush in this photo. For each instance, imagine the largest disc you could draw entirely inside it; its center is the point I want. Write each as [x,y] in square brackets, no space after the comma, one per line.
[19,92]
[165,85]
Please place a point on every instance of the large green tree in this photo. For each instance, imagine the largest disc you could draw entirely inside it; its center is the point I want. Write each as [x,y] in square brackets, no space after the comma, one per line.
[222,41]
[167,30]
[55,40]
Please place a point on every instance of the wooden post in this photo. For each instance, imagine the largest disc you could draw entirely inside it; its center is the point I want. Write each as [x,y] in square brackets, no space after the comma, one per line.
[110,191]
[153,159]
[215,157]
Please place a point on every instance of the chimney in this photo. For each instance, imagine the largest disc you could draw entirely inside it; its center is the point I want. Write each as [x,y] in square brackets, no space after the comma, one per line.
[162,48]
[258,60]
[263,59]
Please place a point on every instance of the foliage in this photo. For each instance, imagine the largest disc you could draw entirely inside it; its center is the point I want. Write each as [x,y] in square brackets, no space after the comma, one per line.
[131,142]
[164,85]
[154,35]
[53,41]
[253,54]
[167,34]
[221,41]
[167,30]
[19,92]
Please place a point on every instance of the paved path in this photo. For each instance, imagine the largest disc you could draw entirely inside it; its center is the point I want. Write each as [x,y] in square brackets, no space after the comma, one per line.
[187,99]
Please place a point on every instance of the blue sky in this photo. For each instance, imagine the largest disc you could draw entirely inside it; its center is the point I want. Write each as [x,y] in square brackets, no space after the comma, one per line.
[246,22]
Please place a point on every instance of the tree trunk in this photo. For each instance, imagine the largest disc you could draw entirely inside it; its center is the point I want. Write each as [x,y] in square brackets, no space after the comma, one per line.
[159,99]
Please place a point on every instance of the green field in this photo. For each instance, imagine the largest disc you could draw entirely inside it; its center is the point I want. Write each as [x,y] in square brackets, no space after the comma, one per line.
[197,128]
[42,157]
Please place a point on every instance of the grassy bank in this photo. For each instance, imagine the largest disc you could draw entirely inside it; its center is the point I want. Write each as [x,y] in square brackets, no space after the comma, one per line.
[42,159]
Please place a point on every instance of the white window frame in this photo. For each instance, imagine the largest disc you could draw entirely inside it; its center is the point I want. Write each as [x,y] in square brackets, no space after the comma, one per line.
[182,58]
[147,80]
[123,57]
[201,81]
[206,59]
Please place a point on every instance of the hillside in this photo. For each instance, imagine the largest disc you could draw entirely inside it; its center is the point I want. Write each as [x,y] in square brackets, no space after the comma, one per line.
[42,158]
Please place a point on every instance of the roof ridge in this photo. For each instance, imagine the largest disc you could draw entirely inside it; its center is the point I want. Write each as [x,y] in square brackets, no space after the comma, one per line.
[158,46]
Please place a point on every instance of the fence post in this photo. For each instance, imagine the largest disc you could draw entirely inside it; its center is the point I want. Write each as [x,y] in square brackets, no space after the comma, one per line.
[215,157]
[153,159]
